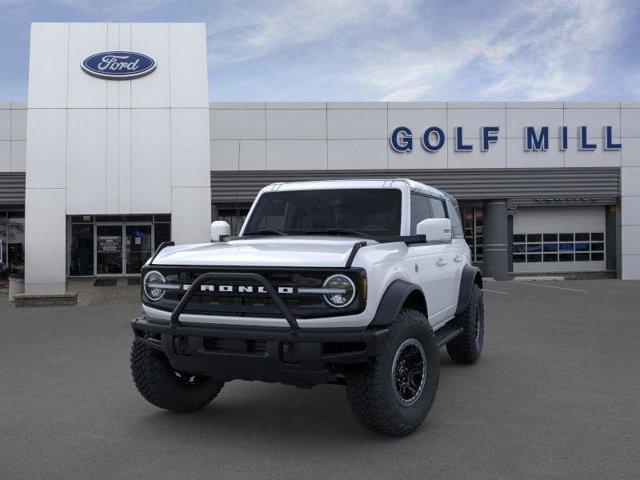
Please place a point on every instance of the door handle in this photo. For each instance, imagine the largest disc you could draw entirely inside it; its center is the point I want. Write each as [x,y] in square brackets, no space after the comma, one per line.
[441,262]
[458,258]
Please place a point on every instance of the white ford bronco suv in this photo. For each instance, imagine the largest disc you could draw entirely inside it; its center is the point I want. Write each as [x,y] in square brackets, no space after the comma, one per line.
[349,282]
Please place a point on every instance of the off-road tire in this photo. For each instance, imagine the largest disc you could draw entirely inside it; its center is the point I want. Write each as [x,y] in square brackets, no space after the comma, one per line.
[370,386]
[161,385]
[467,347]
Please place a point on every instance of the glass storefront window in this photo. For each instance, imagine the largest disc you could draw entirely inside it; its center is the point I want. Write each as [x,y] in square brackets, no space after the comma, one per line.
[4,264]
[81,251]
[138,246]
[101,246]
[162,234]
[472,222]
[14,234]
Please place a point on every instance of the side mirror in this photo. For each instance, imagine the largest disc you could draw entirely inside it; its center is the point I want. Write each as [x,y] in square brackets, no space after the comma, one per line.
[219,229]
[436,230]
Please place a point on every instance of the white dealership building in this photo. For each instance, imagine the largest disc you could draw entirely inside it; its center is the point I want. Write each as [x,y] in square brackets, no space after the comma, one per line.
[118,148]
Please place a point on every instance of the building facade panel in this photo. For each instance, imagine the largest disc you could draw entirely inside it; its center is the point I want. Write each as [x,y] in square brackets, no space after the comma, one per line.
[418,158]
[630,213]
[494,157]
[472,119]
[357,154]
[5,156]
[48,62]
[45,242]
[112,162]
[574,157]
[225,154]
[236,124]
[86,180]
[188,54]
[630,154]
[518,118]
[47,148]
[191,214]
[517,157]
[82,90]
[152,91]
[13,128]
[18,156]
[5,123]
[124,87]
[18,124]
[124,161]
[190,146]
[364,124]
[150,160]
[252,155]
[296,154]
[593,116]
[296,124]
[630,122]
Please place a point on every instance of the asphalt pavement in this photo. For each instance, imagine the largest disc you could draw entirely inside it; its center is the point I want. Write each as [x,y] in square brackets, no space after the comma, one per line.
[555,395]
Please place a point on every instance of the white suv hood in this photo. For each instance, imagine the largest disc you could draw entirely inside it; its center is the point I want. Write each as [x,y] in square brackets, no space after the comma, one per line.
[292,251]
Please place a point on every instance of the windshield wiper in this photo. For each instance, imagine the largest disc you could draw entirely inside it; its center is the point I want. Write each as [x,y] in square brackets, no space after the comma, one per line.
[268,231]
[337,231]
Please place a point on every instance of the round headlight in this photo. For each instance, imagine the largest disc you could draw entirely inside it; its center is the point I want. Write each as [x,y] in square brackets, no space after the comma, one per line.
[343,290]
[153,285]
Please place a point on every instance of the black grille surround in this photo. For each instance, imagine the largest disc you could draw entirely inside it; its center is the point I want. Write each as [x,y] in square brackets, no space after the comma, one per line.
[302,305]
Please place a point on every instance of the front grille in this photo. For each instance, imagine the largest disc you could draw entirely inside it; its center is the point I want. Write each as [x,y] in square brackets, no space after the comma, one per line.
[257,304]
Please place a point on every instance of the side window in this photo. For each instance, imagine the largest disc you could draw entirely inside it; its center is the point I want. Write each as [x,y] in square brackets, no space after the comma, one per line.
[454,215]
[437,207]
[419,210]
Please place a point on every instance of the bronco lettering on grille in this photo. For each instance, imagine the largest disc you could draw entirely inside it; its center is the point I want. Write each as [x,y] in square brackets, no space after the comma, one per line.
[238,289]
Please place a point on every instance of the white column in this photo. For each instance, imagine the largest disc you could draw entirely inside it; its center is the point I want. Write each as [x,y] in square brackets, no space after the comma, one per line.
[630,223]
[45,241]
[630,191]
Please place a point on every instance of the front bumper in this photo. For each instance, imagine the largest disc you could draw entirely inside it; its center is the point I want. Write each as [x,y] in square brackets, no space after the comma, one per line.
[302,357]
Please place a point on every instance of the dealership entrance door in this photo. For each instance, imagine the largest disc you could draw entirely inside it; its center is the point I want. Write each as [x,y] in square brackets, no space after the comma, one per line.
[122,249]
[111,246]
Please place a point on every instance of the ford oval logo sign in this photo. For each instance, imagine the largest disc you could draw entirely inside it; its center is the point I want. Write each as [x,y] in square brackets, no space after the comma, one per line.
[118,65]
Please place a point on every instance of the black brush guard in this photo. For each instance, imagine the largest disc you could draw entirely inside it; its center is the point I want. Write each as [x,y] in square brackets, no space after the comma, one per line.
[273,354]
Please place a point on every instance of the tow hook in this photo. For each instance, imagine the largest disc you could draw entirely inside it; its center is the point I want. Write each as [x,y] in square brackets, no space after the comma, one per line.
[289,352]
[181,344]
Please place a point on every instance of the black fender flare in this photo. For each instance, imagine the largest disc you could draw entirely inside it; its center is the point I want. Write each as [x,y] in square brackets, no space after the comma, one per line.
[392,301]
[470,275]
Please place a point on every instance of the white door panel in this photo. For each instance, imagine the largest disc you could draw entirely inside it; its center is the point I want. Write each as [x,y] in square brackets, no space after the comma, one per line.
[435,264]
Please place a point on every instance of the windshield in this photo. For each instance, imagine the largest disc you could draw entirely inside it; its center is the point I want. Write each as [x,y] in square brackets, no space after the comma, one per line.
[360,212]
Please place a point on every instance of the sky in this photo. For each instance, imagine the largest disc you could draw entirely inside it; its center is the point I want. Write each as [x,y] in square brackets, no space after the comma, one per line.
[377,50]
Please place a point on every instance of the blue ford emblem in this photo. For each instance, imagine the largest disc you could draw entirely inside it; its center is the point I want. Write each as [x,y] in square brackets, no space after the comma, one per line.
[118,65]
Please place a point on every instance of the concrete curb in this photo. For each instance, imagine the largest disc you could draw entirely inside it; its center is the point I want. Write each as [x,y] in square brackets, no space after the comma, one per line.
[69,299]
[545,278]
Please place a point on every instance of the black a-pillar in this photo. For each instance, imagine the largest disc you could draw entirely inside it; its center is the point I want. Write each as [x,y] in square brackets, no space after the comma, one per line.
[495,240]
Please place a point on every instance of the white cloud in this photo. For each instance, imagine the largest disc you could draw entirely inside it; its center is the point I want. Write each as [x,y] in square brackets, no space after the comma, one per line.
[258,30]
[548,50]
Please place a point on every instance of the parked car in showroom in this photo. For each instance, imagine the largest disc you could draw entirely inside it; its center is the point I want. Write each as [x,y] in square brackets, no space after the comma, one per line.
[348,282]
